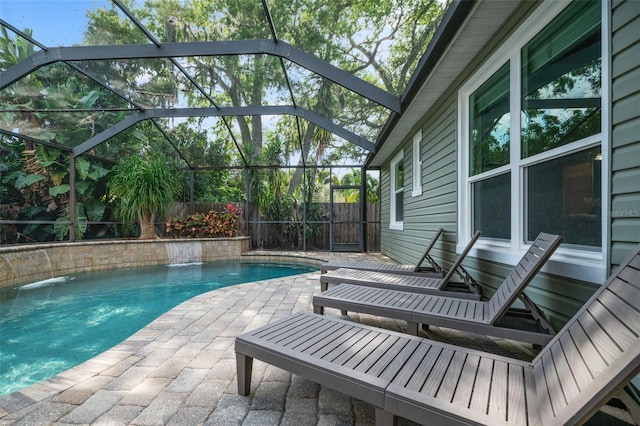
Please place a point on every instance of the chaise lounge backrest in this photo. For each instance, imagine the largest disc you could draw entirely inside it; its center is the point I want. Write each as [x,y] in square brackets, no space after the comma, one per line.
[522,274]
[426,254]
[457,265]
[594,353]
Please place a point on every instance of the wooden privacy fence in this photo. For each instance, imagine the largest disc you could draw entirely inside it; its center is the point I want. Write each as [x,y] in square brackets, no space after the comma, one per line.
[288,234]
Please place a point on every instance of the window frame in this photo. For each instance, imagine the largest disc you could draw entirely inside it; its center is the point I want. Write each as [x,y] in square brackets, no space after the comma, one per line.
[586,265]
[416,189]
[393,222]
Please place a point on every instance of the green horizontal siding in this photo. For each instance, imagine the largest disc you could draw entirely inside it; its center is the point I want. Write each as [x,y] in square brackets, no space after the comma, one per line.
[436,207]
[625,139]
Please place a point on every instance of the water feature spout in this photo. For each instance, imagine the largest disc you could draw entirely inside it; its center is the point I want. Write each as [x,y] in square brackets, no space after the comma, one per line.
[29,265]
[180,252]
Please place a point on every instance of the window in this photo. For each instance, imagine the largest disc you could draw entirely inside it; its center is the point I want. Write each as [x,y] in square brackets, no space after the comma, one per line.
[561,82]
[417,164]
[563,196]
[397,192]
[491,206]
[490,123]
[531,140]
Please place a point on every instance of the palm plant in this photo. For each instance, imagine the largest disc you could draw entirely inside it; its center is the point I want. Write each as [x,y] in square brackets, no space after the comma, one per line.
[142,189]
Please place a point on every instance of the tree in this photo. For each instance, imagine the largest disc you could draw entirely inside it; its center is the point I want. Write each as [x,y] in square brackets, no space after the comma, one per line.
[141,189]
[380,42]
[218,185]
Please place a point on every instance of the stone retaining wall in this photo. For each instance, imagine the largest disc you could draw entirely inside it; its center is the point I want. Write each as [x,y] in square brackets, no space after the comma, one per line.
[26,264]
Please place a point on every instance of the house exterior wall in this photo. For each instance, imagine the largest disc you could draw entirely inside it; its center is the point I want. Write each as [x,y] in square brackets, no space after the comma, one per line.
[625,118]
[436,206]
[559,297]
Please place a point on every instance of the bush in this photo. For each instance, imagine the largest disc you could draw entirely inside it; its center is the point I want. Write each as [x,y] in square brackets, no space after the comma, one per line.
[210,225]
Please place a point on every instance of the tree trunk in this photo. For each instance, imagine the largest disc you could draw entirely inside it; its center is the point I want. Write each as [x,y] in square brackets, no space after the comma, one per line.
[298,172]
[147,227]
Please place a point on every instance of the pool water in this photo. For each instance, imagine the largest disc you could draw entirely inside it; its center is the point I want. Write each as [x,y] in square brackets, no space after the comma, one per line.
[53,325]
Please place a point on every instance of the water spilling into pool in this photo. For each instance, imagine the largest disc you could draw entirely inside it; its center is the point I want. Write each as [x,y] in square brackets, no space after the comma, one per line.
[184,252]
[53,325]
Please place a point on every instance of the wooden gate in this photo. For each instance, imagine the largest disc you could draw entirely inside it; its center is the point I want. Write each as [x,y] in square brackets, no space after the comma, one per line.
[345,225]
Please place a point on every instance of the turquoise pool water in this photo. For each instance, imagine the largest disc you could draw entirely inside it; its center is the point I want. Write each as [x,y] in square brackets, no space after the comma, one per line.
[51,326]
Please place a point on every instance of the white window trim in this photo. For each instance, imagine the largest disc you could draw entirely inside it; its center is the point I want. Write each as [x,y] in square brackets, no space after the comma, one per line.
[393,223]
[417,165]
[572,263]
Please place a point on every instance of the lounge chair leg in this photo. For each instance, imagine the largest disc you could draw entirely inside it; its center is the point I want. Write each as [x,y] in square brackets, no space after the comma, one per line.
[412,328]
[384,418]
[318,309]
[343,313]
[323,286]
[425,327]
[244,366]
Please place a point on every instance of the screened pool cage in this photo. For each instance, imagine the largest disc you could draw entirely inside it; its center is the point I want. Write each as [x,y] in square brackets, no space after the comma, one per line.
[273,109]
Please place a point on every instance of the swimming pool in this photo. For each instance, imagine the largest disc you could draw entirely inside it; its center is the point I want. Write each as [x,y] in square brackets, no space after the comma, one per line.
[53,325]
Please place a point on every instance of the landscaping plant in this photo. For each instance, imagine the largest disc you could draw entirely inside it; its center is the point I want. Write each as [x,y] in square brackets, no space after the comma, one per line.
[210,225]
[141,189]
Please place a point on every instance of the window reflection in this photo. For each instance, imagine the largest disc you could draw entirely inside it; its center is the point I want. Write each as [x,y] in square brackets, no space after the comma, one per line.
[561,70]
[490,122]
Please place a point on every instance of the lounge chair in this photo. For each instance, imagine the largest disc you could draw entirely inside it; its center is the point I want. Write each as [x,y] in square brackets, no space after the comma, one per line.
[494,317]
[468,288]
[434,270]
[586,364]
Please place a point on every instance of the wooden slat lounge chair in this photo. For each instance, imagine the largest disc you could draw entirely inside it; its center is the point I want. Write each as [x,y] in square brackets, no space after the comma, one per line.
[494,317]
[468,288]
[431,270]
[586,364]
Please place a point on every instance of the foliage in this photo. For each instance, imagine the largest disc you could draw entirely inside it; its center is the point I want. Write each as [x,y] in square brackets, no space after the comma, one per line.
[271,202]
[546,129]
[35,186]
[142,188]
[219,185]
[354,178]
[210,225]
[35,177]
[294,230]
[380,42]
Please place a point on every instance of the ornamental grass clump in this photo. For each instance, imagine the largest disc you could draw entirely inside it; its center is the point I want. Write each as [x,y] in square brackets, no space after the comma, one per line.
[141,189]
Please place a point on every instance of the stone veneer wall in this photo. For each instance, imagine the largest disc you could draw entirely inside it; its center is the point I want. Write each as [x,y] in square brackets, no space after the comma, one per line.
[26,264]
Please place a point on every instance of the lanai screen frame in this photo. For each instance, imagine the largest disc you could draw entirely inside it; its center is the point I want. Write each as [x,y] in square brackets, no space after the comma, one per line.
[274,47]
